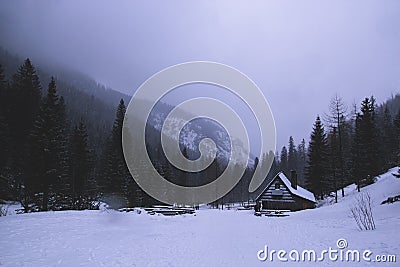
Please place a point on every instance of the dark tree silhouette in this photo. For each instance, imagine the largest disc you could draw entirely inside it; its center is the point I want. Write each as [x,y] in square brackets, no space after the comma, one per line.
[284,160]
[116,179]
[80,168]
[365,154]
[47,158]
[23,107]
[292,155]
[316,170]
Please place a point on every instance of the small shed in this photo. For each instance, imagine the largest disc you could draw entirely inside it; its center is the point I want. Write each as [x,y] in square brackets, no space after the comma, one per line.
[284,194]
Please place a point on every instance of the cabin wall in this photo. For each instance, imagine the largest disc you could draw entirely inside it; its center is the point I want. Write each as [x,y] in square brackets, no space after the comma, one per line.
[282,199]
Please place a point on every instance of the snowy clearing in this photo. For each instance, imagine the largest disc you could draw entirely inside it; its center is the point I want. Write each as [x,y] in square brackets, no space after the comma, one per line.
[211,238]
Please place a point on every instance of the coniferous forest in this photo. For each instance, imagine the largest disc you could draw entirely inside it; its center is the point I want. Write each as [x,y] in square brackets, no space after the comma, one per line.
[199,133]
[61,148]
[347,145]
[54,151]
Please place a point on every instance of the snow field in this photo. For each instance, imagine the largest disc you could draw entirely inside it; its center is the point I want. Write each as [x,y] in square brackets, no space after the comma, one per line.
[210,238]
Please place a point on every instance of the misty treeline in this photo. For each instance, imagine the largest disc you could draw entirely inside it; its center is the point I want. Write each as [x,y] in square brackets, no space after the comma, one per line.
[219,165]
[347,145]
[61,149]
[47,161]
[55,156]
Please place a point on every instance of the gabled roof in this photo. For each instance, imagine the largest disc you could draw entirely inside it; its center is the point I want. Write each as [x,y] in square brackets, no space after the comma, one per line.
[300,191]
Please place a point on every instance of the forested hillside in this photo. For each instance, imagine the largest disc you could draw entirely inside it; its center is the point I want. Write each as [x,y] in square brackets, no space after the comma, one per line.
[56,130]
[347,145]
[61,144]
[84,98]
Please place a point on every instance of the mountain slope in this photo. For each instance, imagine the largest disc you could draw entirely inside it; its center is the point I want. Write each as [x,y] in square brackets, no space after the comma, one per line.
[84,98]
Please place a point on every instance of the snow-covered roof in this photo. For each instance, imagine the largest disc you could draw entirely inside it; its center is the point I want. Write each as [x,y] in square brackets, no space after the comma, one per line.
[300,191]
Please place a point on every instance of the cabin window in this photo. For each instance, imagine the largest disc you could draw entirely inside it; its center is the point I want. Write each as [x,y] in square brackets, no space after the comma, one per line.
[277,186]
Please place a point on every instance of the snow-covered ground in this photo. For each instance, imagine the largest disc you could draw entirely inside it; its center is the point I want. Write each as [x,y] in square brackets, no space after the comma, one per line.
[211,238]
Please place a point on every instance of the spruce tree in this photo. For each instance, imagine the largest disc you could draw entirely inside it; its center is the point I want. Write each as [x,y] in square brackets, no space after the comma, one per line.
[365,153]
[80,166]
[4,128]
[4,144]
[334,159]
[387,152]
[116,179]
[24,105]
[396,124]
[62,148]
[396,138]
[3,93]
[301,161]
[396,142]
[284,160]
[316,170]
[347,135]
[292,155]
[46,165]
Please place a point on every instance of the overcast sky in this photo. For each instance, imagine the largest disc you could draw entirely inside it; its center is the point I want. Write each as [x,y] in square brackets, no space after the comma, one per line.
[300,53]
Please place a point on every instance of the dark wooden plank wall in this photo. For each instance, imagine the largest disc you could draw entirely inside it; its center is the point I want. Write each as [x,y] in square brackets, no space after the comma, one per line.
[267,195]
[286,201]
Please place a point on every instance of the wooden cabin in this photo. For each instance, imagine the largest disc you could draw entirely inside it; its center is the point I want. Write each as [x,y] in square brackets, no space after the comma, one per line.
[284,194]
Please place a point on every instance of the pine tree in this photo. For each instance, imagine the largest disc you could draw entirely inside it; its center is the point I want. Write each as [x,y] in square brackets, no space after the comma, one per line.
[292,155]
[284,160]
[347,134]
[396,137]
[46,164]
[334,159]
[117,181]
[396,144]
[316,170]
[4,143]
[62,148]
[301,161]
[387,147]
[24,105]
[3,93]
[80,166]
[4,128]
[365,152]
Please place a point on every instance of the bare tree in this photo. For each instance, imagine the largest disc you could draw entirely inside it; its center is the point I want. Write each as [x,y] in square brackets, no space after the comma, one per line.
[361,211]
[336,118]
